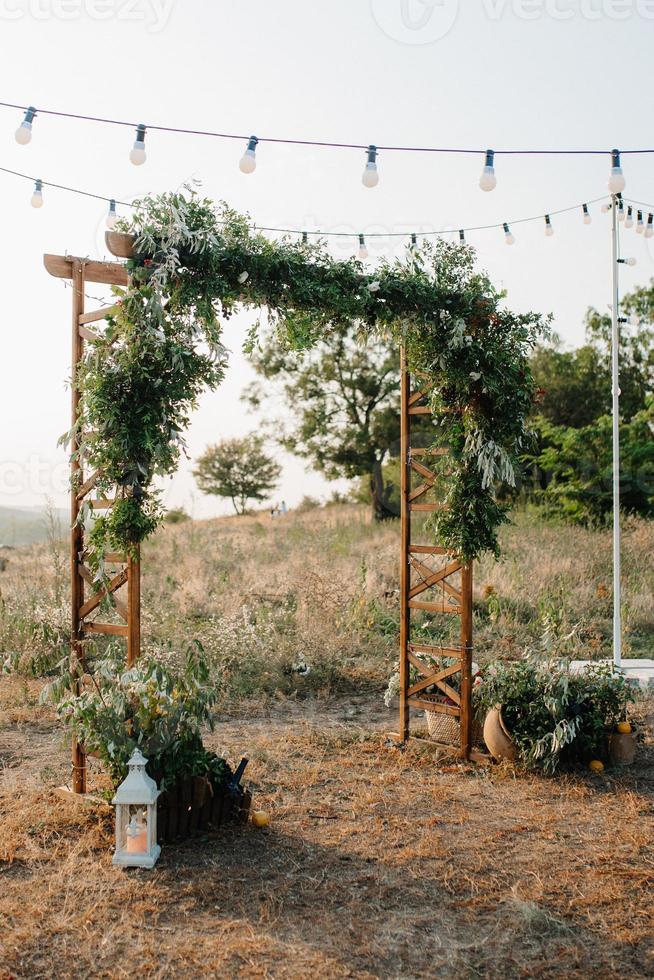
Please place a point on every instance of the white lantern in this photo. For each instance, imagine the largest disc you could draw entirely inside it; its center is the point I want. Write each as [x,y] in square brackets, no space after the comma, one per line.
[136,817]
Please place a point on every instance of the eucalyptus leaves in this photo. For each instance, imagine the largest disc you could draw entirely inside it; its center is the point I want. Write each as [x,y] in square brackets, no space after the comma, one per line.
[196,264]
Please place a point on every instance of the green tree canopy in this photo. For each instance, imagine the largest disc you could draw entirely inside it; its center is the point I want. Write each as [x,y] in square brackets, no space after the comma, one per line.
[238,469]
[344,404]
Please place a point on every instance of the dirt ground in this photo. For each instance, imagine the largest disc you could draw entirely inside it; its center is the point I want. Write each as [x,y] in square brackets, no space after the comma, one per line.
[379,862]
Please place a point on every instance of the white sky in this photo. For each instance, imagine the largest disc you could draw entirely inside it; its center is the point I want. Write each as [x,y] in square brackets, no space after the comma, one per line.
[520,73]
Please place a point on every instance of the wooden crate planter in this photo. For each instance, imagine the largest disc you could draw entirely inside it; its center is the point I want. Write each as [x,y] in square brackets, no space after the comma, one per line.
[193,807]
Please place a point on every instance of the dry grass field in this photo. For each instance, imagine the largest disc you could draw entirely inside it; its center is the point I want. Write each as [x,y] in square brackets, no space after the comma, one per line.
[379,862]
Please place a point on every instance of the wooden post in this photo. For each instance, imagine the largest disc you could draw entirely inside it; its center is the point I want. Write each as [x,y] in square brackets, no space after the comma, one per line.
[78,758]
[405,535]
[466,663]
[134,610]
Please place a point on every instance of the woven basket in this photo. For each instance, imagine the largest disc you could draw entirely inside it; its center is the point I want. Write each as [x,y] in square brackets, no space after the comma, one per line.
[446,728]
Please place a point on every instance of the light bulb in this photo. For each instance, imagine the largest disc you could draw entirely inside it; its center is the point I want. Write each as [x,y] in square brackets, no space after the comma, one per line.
[137,153]
[508,237]
[649,230]
[462,236]
[370,177]
[24,131]
[621,212]
[488,180]
[640,224]
[587,217]
[549,230]
[363,251]
[413,244]
[248,162]
[37,196]
[631,261]
[629,220]
[606,207]
[617,183]
[305,238]
[112,217]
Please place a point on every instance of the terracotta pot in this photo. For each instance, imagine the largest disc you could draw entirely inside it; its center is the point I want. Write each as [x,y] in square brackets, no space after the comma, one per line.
[622,748]
[498,741]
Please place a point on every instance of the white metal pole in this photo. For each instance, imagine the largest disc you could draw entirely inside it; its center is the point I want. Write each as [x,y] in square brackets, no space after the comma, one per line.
[615,391]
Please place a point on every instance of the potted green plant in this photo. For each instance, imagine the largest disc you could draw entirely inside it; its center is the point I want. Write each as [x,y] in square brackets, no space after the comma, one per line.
[551,715]
[161,711]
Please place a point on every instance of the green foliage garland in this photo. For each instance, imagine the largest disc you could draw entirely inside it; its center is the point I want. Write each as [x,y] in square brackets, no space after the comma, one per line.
[196,263]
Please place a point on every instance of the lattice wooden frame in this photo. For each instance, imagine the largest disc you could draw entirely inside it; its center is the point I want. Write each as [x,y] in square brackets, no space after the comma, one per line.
[126,571]
[418,581]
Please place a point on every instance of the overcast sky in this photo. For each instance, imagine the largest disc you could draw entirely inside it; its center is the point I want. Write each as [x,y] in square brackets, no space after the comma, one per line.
[519,74]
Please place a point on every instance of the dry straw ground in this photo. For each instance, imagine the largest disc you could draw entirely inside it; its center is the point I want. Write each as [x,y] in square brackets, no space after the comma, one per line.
[378,862]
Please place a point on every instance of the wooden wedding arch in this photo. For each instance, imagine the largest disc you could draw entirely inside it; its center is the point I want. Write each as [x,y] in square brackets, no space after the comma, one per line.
[431,578]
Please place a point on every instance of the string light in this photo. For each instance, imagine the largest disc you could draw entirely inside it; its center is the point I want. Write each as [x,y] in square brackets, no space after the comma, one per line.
[640,224]
[370,176]
[413,245]
[24,132]
[629,220]
[37,196]
[606,207]
[248,162]
[305,238]
[587,217]
[617,183]
[488,180]
[631,261]
[137,153]
[621,211]
[549,230]
[112,216]
[462,236]
[508,237]
[363,251]
[649,230]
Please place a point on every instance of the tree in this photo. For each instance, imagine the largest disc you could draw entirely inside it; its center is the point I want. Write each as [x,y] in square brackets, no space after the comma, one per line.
[576,385]
[343,398]
[578,468]
[238,469]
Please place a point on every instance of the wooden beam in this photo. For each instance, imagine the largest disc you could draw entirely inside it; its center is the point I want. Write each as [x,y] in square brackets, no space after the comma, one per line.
[405,538]
[87,485]
[437,706]
[109,628]
[96,315]
[116,582]
[78,758]
[109,273]
[134,610]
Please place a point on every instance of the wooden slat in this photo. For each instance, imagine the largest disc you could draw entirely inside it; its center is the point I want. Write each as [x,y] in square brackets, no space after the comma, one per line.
[415,396]
[121,607]
[433,578]
[116,582]
[102,503]
[428,508]
[431,678]
[423,470]
[435,651]
[115,557]
[419,491]
[417,451]
[427,549]
[420,410]
[86,334]
[109,273]
[87,486]
[427,572]
[435,607]
[96,315]
[439,708]
[110,628]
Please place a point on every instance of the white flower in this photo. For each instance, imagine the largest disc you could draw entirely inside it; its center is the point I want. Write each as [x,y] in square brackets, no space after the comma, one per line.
[244,276]
[475,375]
[374,287]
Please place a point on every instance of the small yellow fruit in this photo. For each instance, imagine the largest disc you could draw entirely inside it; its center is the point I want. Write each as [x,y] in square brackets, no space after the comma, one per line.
[260,818]
[596,765]
[623,727]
